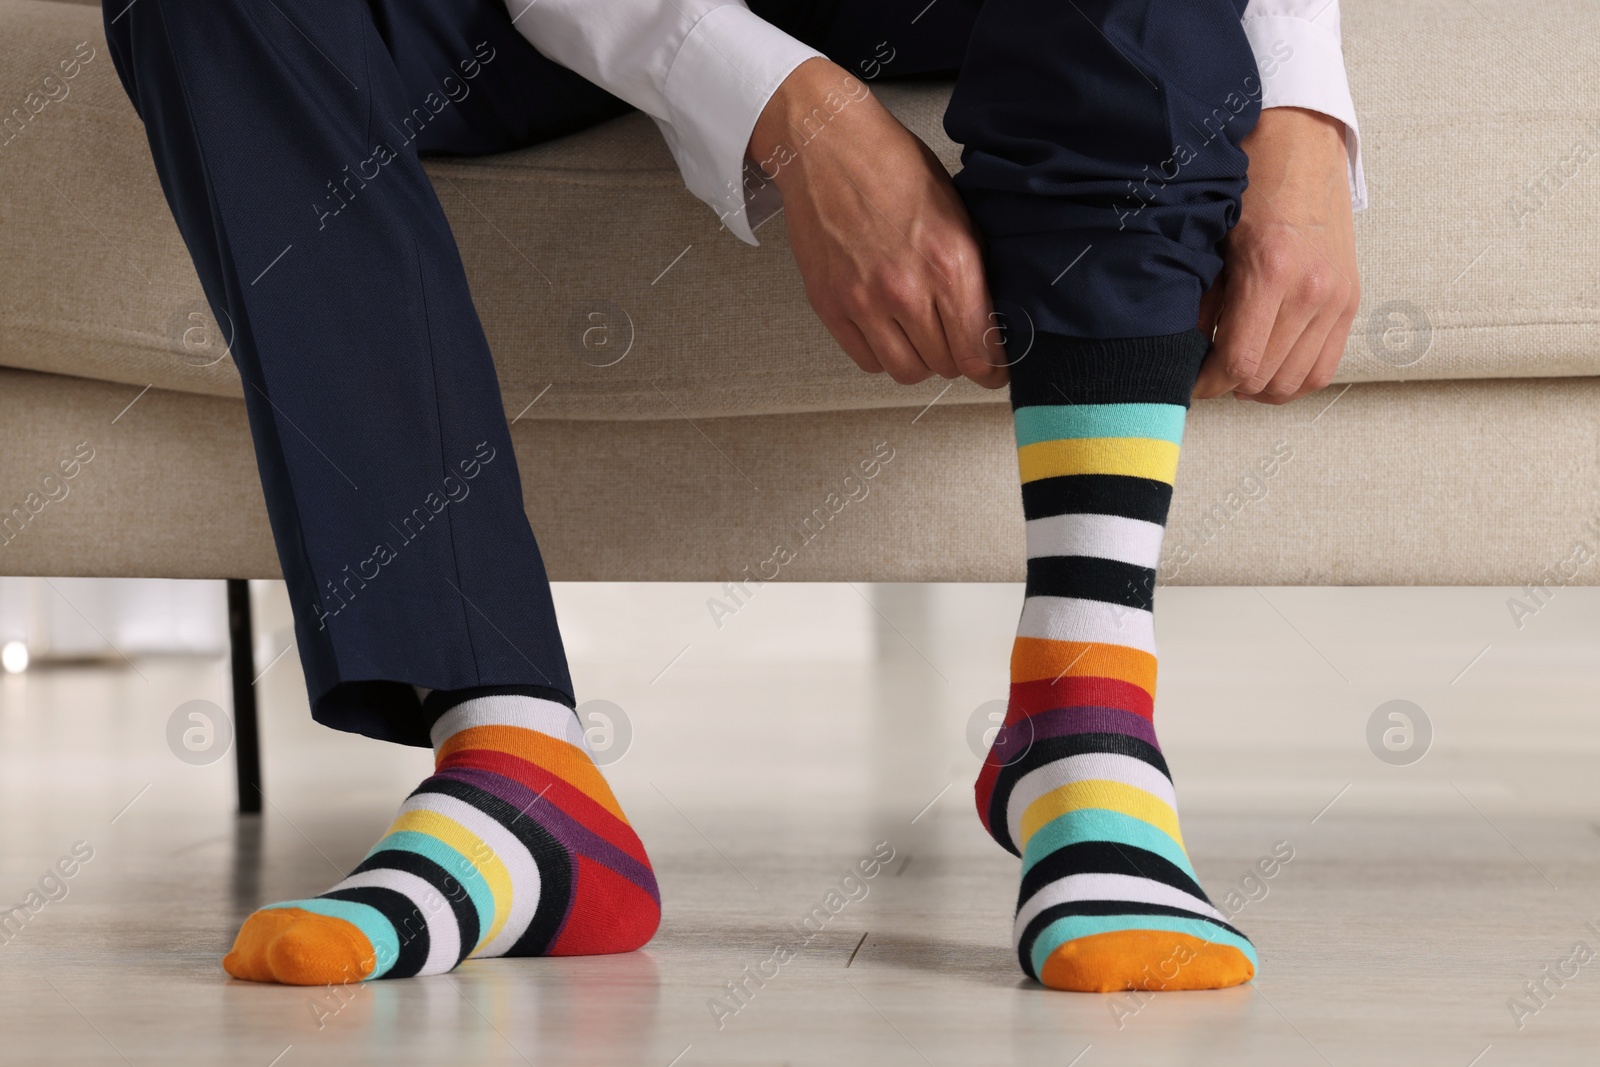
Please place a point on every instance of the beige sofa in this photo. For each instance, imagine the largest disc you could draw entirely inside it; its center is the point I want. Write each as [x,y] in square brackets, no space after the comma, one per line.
[1459,447]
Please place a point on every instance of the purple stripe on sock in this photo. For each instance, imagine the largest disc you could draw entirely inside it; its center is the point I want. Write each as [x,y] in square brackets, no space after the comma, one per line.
[1063,722]
[571,834]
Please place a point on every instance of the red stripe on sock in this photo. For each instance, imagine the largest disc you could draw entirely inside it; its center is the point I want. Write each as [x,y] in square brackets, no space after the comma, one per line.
[983,791]
[1038,697]
[608,914]
[1031,698]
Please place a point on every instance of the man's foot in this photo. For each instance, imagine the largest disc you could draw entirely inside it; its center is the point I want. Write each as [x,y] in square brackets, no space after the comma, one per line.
[1075,783]
[515,847]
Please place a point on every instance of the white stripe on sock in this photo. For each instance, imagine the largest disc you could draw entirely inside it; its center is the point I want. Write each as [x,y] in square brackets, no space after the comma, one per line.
[1102,536]
[444,936]
[1100,766]
[1107,887]
[1059,618]
[519,863]
[530,713]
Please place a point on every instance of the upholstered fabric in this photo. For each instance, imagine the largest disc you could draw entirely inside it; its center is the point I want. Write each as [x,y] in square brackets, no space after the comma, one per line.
[1484,229]
[1434,483]
[1480,254]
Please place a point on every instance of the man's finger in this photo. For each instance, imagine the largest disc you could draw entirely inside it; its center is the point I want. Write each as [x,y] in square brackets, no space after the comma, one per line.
[1297,365]
[1211,306]
[926,334]
[964,313]
[1289,325]
[894,351]
[854,344]
[1327,363]
[1244,326]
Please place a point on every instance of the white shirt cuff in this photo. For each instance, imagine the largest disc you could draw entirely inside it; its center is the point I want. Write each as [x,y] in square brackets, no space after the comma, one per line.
[1302,65]
[728,68]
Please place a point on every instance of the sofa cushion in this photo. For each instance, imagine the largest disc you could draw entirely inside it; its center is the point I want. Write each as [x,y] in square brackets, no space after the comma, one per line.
[1480,256]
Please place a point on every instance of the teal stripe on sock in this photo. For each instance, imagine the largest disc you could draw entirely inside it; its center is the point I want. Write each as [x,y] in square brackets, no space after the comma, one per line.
[1072,927]
[1099,824]
[455,865]
[369,920]
[1060,422]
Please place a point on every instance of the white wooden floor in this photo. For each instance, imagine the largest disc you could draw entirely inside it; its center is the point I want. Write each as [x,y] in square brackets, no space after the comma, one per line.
[769,755]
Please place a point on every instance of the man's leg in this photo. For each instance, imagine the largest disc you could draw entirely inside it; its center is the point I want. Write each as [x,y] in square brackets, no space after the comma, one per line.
[286,137]
[1102,165]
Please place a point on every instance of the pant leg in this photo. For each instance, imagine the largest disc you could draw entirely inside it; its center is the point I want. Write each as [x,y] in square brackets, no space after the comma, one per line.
[286,137]
[885,39]
[1107,130]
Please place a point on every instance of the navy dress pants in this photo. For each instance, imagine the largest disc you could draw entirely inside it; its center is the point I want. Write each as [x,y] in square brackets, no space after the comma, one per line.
[1100,135]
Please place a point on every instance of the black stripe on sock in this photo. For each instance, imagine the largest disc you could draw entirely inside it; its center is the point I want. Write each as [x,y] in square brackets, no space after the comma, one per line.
[409,924]
[1110,581]
[1097,494]
[1126,370]
[557,868]
[1105,857]
[1048,750]
[443,883]
[1098,907]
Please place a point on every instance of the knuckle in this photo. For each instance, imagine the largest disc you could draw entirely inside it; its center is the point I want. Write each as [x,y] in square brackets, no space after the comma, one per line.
[1277,264]
[1242,368]
[899,288]
[1317,284]
[860,298]
[851,299]
[950,262]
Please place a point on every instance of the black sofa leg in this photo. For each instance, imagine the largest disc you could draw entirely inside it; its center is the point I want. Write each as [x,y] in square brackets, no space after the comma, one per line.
[246,736]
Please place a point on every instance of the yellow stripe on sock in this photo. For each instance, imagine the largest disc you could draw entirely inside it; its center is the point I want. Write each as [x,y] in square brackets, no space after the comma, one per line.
[474,848]
[1134,457]
[1100,793]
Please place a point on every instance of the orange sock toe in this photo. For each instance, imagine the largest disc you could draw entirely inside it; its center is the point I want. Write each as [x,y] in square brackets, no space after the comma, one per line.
[248,959]
[1153,960]
[297,947]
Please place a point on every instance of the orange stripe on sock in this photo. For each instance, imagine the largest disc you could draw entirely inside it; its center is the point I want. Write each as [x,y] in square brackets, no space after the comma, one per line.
[567,762]
[1039,659]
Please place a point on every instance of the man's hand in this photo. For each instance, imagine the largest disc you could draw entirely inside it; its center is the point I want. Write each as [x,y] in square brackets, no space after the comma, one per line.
[891,261]
[1288,291]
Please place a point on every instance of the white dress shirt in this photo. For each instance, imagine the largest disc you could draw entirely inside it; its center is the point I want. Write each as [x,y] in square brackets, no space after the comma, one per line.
[705,69]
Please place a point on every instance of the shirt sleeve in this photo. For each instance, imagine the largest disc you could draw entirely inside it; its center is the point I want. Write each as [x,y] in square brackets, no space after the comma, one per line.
[1300,55]
[702,69]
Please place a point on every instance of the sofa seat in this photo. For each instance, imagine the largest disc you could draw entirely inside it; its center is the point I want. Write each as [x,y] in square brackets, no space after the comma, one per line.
[677,408]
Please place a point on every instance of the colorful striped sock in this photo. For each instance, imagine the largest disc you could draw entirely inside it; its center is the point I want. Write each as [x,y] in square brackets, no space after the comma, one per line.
[515,847]
[1075,782]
